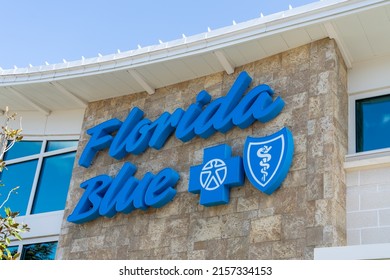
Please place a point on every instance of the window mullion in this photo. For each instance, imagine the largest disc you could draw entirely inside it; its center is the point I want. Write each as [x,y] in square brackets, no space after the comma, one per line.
[60,151]
[36,178]
[21,159]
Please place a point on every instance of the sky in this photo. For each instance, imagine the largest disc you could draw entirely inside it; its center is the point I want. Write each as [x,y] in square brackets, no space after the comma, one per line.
[39,31]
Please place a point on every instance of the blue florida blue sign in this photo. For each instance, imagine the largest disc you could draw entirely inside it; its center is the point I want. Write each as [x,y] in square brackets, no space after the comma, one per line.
[106,196]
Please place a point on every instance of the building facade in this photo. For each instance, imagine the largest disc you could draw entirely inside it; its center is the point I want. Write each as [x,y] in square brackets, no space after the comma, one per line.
[328,62]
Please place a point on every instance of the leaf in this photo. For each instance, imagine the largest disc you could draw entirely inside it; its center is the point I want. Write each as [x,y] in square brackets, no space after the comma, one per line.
[17,235]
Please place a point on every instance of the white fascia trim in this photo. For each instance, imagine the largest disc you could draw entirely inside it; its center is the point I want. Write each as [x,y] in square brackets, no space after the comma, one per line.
[356,252]
[317,12]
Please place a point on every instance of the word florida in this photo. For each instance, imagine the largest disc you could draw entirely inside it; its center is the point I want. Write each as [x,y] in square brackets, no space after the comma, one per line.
[203,118]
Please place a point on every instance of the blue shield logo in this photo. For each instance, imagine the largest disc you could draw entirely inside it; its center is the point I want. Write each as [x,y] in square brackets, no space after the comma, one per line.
[268,159]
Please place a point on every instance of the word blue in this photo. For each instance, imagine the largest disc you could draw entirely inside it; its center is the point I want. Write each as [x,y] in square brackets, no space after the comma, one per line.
[105,196]
[136,133]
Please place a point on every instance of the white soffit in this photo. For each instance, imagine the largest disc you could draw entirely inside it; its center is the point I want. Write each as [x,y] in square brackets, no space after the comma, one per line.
[361,28]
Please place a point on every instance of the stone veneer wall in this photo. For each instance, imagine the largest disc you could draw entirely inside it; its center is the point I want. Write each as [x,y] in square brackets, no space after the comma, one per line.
[307,211]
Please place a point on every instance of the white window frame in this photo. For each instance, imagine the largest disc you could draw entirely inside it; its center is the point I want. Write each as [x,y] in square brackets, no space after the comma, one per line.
[352,119]
[44,227]
[36,240]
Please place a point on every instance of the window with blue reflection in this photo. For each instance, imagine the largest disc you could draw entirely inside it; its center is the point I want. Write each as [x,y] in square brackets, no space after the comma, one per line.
[53,183]
[22,175]
[23,148]
[373,123]
[39,251]
[57,145]
[13,250]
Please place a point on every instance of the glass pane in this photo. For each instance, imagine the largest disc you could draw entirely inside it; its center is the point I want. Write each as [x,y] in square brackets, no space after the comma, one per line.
[373,123]
[22,175]
[13,250]
[57,145]
[22,149]
[53,183]
[39,251]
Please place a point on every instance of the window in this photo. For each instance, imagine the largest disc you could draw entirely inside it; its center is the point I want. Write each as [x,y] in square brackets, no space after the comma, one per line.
[372,123]
[13,250]
[12,178]
[42,169]
[43,248]
[39,251]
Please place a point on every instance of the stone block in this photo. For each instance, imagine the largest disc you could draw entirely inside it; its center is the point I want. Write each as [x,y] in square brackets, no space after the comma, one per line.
[235,225]
[178,244]
[314,236]
[299,162]
[197,255]
[266,229]
[260,251]
[79,245]
[205,229]
[217,249]
[315,186]
[247,203]
[323,212]
[284,250]
[238,248]
[200,245]
[293,226]
[177,227]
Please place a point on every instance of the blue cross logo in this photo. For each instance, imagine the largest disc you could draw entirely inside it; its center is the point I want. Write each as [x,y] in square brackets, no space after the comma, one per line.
[218,173]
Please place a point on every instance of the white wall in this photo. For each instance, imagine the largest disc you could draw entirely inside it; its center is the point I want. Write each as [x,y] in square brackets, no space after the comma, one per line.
[368,174]
[64,122]
[369,75]
[368,206]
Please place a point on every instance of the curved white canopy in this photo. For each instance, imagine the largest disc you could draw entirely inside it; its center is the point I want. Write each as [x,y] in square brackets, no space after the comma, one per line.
[361,29]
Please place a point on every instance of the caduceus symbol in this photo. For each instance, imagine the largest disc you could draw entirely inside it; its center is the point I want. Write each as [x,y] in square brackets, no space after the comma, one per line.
[265,157]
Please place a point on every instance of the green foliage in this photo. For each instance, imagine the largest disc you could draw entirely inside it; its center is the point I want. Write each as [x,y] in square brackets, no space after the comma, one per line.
[9,228]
